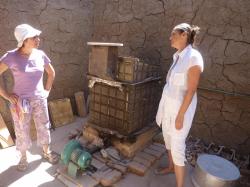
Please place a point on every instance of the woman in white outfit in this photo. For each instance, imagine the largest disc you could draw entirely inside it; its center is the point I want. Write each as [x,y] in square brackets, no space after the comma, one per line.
[179,99]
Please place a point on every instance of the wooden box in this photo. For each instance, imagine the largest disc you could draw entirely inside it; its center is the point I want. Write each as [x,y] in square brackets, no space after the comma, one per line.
[103,60]
[61,112]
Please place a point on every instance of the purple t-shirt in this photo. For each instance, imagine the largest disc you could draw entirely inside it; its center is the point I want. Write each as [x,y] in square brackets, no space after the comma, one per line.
[27,72]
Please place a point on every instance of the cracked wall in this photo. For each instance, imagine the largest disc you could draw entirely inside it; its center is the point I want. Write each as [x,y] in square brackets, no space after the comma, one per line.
[144,27]
[66,28]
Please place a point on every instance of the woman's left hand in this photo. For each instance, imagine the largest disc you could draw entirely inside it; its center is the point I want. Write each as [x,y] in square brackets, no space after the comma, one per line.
[179,122]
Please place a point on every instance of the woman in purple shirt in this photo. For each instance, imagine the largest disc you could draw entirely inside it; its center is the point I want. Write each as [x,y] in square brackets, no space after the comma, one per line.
[29,97]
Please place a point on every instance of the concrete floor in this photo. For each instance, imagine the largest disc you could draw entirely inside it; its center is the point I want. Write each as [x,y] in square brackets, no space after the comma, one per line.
[41,173]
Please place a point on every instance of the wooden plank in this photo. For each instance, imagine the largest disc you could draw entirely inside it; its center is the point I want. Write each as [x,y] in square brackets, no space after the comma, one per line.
[61,112]
[81,104]
[5,138]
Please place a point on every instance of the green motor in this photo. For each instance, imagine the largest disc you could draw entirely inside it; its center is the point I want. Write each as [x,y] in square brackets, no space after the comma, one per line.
[76,157]
[81,158]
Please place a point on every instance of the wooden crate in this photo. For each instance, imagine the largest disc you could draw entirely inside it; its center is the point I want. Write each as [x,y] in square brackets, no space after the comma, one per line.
[61,112]
[132,70]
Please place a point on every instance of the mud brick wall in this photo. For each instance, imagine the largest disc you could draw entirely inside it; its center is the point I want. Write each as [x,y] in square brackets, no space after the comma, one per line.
[144,27]
[66,28]
[223,119]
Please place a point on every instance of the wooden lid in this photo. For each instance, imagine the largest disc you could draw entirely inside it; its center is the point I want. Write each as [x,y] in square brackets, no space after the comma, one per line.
[105,44]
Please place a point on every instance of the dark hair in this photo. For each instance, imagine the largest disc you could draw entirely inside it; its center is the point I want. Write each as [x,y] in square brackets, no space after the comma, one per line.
[191,36]
[191,31]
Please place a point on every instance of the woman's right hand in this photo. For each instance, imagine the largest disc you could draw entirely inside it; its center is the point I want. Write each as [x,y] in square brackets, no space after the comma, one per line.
[12,98]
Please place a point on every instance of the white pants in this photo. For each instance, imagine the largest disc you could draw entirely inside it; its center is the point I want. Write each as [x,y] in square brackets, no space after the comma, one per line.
[177,147]
[175,140]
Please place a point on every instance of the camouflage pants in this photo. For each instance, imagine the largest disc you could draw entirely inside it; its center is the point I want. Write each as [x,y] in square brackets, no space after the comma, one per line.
[39,112]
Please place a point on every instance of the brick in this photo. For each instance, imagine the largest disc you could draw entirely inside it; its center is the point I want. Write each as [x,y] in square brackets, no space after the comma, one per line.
[5,139]
[129,149]
[159,138]
[90,131]
[160,145]
[82,181]
[87,181]
[147,156]
[137,168]
[97,164]
[66,181]
[122,169]
[61,112]
[92,135]
[99,157]
[143,161]
[99,175]
[157,148]
[81,104]
[153,152]
[110,178]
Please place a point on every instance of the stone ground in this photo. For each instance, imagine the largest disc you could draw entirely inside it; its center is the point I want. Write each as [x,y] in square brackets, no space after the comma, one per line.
[42,174]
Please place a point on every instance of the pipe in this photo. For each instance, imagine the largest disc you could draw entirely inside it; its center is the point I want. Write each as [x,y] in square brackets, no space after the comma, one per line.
[225,92]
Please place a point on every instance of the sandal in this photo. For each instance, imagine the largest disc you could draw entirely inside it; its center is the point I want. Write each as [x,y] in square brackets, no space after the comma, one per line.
[51,157]
[23,164]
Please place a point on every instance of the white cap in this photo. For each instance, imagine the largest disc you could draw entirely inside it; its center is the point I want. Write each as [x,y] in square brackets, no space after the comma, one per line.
[24,31]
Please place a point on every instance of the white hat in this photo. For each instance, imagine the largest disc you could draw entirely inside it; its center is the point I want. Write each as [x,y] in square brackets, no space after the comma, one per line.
[183,26]
[24,31]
